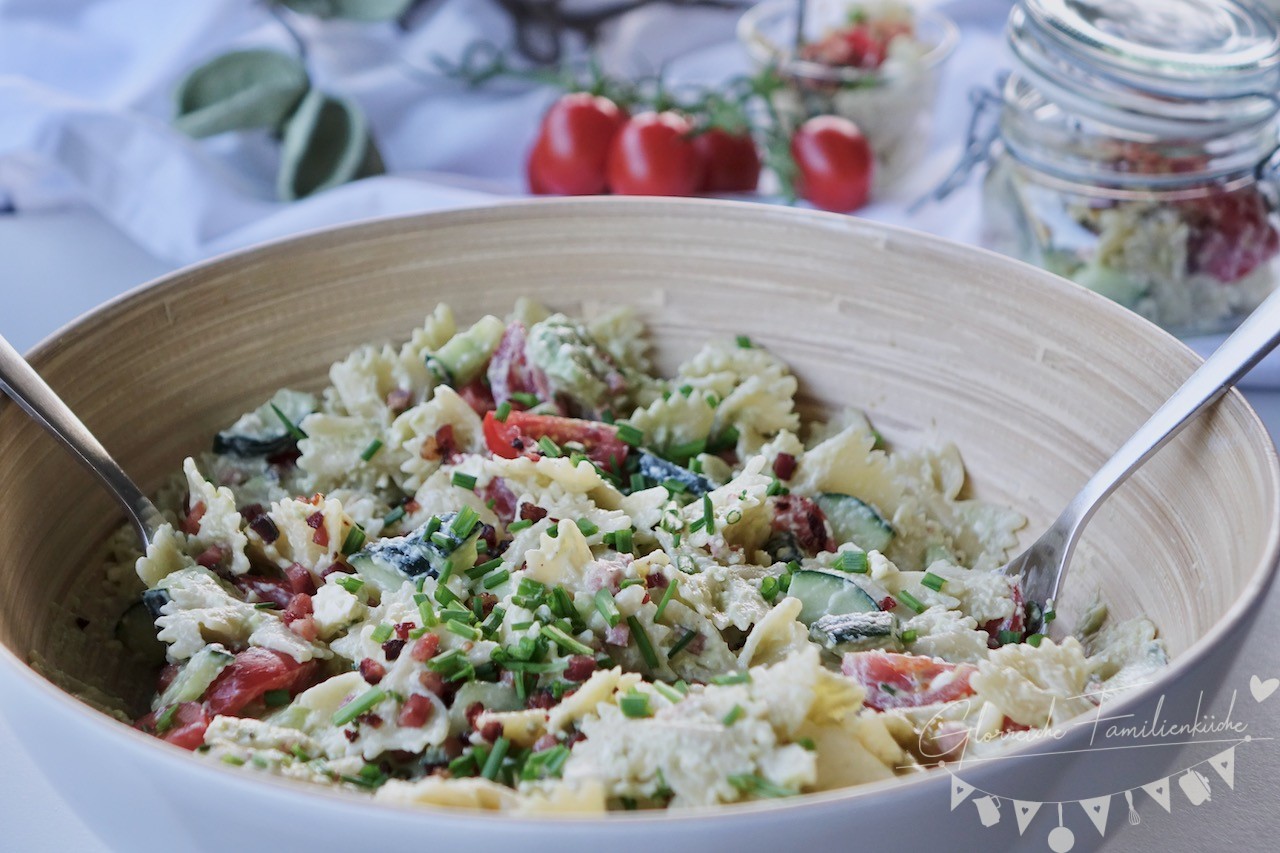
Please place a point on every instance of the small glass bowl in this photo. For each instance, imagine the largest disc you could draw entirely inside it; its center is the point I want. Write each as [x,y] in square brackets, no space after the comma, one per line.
[892,104]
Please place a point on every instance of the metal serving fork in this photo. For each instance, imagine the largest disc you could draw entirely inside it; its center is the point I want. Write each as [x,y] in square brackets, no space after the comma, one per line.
[1042,567]
[21,382]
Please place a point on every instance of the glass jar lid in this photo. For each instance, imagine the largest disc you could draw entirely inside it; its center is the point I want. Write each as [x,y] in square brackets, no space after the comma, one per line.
[1183,67]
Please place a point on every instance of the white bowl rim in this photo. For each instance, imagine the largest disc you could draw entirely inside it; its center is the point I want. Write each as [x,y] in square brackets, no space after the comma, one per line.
[180,759]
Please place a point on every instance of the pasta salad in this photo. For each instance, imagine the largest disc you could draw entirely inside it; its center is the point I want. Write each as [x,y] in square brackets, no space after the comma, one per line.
[507,567]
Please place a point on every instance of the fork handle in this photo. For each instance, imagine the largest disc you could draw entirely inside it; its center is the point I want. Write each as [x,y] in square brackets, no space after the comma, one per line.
[21,382]
[1238,354]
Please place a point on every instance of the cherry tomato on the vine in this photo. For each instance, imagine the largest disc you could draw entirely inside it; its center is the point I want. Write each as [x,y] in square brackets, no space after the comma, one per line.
[834,163]
[570,153]
[731,161]
[653,154]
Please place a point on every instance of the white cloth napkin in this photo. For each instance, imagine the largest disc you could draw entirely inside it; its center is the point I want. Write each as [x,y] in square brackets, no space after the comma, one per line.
[86,93]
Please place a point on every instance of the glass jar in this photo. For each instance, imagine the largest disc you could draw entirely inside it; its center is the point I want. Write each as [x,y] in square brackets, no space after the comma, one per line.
[886,83]
[1135,151]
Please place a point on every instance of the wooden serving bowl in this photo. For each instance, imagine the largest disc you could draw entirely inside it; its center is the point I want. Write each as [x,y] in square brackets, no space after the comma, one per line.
[1036,380]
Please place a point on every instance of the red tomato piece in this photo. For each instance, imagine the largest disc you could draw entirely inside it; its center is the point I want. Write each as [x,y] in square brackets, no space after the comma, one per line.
[186,728]
[278,592]
[518,436]
[653,154]
[907,681]
[253,672]
[834,164]
[478,396]
[572,148]
[731,161]
[504,500]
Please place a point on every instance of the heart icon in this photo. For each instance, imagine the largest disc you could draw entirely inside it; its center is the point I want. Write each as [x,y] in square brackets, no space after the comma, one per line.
[1262,689]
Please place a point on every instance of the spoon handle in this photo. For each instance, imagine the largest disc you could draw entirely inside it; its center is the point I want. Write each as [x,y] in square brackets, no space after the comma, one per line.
[20,381]
[1238,354]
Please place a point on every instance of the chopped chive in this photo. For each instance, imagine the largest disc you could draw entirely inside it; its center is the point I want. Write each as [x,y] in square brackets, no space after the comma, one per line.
[668,692]
[276,698]
[708,514]
[465,522]
[549,447]
[910,635]
[526,399]
[234,760]
[671,484]
[685,390]
[635,705]
[628,434]
[630,582]
[622,541]
[637,482]
[295,431]
[751,783]
[934,582]
[442,539]
[587,527]
[1009,638]
[463,766]
[666,598]
[372,450]
[381,634]
[500,414]
[851,561]
[807,743]
[517,526]
[1034,640]
[265,605]
[393,516]
[358,706]
[433,524]
[889,688]
[425,610]
[732,678]
[776,488]
[687,450]
[769,589]
[453,626]
[695,465]
[564,641]
[607,608]
[350,584]
[1049,616]
[464,481]
[477,572]
[354,541]
[641,637]
[697,524]
[733,516]
[164,722]
[689,634]
[735,714]
[911,601]
[536,667]
[744,342]
[445,596]
[497,579]
[494,762]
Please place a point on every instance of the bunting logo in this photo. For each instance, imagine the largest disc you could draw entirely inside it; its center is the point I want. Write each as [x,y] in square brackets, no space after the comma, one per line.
[1197,782]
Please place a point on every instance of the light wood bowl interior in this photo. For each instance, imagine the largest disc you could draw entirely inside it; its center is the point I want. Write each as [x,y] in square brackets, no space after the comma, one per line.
[1036,380]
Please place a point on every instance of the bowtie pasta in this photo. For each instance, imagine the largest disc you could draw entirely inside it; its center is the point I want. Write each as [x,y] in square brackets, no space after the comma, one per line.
[507,567]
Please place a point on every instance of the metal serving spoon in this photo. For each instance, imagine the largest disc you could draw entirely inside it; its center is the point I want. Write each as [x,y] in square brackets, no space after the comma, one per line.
[20,381]
[1042,567]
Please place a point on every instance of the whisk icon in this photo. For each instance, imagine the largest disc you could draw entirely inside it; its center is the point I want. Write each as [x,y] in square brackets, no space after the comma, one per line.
[1134,819]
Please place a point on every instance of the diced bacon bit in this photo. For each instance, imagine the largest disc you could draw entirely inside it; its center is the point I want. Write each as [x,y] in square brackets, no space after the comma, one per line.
[372,671]
[580,668]
[337,567]
[392,648]
[411,506]
[399,400]
[784,465]
[212,557]
[541,699]
[887,603]
[350,735]
[477,395]
[504,500]
[442,445]
[696,645]
[273,590]
[299,619]
[803,518]
[251,511]
[487,602]
[573,738]
[415,711]
[432,682]
[532,512]
[402,630]
[316,522]
[619,635]
[491,730]
[656,580]
[370,719]
[191,522]
[544,743]
[300,580]
[306,628]
[425,648]
[266,529]
[489,535]
[474,710]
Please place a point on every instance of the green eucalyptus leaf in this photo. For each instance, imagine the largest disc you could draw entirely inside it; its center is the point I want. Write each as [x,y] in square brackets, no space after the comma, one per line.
[326,143]
[354,10]
[240,90]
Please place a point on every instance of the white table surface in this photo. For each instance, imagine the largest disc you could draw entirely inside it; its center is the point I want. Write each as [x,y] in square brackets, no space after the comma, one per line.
[59,265]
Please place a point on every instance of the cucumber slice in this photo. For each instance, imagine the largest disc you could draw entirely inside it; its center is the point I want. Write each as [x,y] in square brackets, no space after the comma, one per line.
[262,432]
[826,593]
[136,631]
[194,679]
[856,631]
[389,562]
[857,522]
[465,355]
